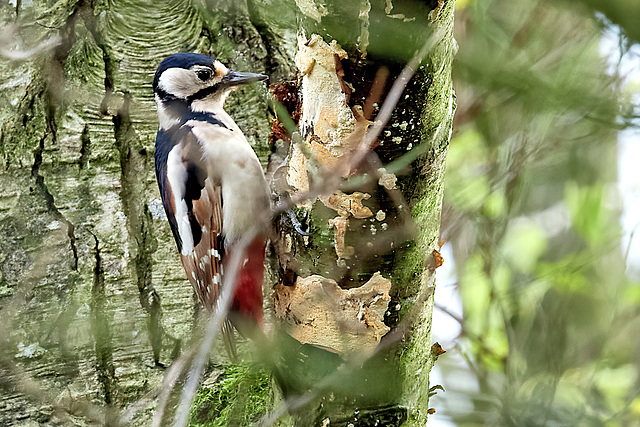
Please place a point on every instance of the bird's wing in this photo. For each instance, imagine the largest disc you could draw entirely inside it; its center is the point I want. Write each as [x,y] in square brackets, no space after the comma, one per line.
[203,265]
[193,203]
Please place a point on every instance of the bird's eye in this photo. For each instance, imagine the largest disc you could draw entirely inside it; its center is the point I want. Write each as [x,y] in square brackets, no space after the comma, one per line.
[203,74]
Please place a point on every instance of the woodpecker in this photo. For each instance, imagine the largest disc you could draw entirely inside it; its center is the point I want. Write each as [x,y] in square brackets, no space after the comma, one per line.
[212,185]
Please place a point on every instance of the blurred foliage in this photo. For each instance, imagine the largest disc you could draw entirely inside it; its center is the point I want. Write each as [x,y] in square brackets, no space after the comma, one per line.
[550,324]
[624,13]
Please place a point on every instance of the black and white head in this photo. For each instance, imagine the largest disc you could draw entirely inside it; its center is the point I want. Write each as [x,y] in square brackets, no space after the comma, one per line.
[190,82]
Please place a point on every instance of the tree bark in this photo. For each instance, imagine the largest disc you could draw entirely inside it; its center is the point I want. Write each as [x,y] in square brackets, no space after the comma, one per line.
[94,296]
[366,232]
[94,299]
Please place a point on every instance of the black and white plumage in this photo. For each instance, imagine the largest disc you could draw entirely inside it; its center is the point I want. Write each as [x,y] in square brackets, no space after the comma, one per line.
[211,182]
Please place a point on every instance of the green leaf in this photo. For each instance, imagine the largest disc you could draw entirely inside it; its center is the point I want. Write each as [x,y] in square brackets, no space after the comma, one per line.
[589,215]
[523,245]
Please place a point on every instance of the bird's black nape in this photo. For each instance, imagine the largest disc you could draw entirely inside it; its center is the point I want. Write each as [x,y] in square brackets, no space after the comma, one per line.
[181,60]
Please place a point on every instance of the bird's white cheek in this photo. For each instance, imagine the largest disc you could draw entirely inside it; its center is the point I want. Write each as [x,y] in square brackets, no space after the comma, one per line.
[212,103]
[179,82]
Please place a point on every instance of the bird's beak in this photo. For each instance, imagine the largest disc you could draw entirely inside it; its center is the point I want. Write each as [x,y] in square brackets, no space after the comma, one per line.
[237,78]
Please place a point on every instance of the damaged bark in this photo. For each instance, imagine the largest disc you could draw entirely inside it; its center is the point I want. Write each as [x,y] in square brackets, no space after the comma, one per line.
[385,227]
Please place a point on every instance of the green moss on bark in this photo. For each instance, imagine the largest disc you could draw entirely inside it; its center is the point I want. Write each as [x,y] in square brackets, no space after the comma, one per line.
[239,396]
[426,201]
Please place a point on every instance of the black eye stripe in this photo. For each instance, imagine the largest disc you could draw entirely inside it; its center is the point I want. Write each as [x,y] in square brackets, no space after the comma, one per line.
[166,96]
[203,93]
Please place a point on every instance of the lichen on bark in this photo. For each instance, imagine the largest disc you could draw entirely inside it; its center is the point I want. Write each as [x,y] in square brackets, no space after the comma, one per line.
[426,201]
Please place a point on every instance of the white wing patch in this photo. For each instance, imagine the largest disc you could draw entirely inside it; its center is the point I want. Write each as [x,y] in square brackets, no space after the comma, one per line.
[176,175]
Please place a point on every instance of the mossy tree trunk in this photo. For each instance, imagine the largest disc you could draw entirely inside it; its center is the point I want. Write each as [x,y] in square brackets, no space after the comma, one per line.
[385,226]
[94,299]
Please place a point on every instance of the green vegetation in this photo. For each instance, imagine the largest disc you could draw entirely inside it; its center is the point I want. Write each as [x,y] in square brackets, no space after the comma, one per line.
[240,395]
[548,334]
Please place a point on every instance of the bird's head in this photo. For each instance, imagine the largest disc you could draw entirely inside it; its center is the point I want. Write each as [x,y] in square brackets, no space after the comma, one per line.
[191,81]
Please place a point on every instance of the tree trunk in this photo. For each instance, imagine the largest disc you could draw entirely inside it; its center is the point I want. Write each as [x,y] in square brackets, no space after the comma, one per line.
[94,299]
[361,237]
[94,296]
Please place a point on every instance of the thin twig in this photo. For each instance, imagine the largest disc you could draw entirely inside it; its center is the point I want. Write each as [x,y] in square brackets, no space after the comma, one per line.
[628,249]
[170,379]
[451,314]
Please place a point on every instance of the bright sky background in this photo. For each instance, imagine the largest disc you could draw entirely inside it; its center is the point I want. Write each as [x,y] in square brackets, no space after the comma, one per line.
[628,148]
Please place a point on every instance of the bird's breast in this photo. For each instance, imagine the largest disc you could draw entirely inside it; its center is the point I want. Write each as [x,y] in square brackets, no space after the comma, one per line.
[234,165]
